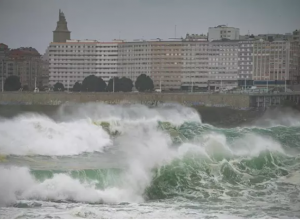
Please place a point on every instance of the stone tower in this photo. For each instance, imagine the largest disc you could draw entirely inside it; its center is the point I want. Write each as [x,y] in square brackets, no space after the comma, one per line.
[61,33]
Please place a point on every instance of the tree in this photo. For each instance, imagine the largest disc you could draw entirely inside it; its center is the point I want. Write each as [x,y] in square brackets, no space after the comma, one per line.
[77,87]
[110,85]
[12,83]
[144,83]
[93,83]
[58,87]
[125,84]
[25,88]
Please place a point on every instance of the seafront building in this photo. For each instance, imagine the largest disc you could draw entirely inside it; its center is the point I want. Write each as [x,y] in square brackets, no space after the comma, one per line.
[24,62]
[223,32]
[221,59]
[277,60]
[175,65]
[70,61]
[73,60]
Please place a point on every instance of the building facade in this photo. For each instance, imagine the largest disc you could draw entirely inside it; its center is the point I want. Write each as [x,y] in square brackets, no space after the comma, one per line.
[24,62]
[3,67]
[45,69]
[223,64]
[277,60]
[162,60]
[296,35]
[245,60]
[195,67]
[196,62]
[205,65]
[175,65]
[72,61]
[223,32]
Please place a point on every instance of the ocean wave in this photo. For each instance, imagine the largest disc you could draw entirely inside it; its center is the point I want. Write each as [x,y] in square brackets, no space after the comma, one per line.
[40,135]
[191,171]
[165,152]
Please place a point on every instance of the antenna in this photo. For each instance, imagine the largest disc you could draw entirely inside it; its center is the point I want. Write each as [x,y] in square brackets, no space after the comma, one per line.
[175,30]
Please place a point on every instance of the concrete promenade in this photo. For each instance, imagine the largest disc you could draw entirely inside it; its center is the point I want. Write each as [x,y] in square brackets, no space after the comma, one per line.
[231,100]
[239,101]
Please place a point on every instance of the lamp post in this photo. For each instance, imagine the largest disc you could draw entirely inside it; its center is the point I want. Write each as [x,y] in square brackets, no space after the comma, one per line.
[113,84]
[221,86]
[284,84]
[192,85]
[160,84]
[2,76]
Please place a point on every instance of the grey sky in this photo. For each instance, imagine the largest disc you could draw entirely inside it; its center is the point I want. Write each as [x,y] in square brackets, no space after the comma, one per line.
[31,22]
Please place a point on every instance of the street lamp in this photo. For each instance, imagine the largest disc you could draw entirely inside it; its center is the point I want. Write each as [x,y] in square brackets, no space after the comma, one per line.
[267,83]
[113,84]
[284,83]
[2,75]
[160,84]
[192,85]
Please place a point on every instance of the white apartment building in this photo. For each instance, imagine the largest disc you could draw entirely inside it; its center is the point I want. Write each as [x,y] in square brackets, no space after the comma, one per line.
[134,58]
[223,32]
[277,60]
[181,64]
[245,60]
[73,60]
[161,60]
[223,64]
[195,67]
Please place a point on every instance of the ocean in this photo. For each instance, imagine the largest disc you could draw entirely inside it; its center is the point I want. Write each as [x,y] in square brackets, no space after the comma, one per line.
[130,161]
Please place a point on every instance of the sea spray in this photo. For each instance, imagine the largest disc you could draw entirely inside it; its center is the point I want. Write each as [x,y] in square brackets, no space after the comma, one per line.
[162,154]
[39,135]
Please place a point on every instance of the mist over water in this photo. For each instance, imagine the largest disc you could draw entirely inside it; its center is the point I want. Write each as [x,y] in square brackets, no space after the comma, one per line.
[128,161]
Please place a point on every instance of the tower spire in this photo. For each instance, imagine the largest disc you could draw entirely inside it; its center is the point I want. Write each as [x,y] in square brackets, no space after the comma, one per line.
[61,33]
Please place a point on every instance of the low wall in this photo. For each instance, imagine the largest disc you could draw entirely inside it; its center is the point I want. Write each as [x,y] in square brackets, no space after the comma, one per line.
[52,98]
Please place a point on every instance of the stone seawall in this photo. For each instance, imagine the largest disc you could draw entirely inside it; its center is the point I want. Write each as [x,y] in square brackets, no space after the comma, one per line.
[239,101]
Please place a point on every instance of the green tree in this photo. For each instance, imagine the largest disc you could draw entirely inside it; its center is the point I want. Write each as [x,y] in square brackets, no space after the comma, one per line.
[25,88]
[125,84]
[77,87]
[110,85]
[144,83]
[93,83]
[121,84]
[58,87]
[12,83]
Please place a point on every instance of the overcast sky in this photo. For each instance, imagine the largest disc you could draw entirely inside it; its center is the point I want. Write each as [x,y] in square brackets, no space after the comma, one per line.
[31,22]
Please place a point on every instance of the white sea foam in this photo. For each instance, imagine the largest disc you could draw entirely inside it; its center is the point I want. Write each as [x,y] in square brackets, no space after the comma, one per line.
[175,113]
[40,135]
[145,147]
[74,132]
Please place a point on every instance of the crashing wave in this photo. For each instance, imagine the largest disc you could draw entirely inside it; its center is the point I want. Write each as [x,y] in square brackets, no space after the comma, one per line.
[163,153]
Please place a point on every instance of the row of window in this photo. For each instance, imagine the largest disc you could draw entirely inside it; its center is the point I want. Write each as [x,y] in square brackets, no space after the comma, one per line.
[227,64]
[84,51]
[78,68]
[198,44]
[79,59]
[84,64]
[244,68]
[83,55]
[81,46]
[78,76]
